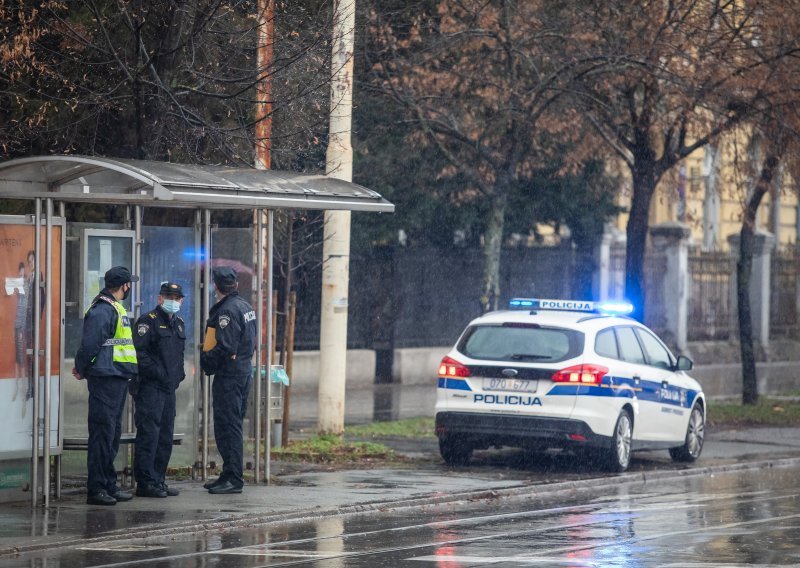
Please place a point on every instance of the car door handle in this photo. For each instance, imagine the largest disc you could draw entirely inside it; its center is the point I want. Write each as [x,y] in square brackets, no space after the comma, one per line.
[637,379]
[664,384]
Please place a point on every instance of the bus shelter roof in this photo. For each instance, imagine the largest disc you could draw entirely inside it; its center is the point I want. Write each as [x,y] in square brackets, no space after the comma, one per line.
[165,184]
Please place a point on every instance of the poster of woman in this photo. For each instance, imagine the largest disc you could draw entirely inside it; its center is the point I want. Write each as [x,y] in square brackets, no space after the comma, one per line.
[17,311]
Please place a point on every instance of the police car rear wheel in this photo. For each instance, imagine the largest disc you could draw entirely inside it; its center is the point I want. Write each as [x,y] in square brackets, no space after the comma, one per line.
[618,456]
[454,451]
[695,436]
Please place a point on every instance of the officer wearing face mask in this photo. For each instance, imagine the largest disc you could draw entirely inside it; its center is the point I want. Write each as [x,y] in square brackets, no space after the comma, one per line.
[160,338]
[107,360]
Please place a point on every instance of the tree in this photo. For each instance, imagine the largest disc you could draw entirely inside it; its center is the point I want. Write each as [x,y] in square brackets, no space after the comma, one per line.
[480,79]
[680,75]
[583,201]
[766,160]
[773,129]
[157,80]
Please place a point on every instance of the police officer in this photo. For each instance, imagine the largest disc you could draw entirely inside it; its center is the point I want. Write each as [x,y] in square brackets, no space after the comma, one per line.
[160,338]
[227,352]
[107,360]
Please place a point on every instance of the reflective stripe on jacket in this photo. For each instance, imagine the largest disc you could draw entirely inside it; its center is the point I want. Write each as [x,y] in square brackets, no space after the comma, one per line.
[107,343]
[124,353]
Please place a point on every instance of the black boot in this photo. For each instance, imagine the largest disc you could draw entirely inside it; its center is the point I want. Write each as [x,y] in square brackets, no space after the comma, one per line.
[100,498]
[143,490]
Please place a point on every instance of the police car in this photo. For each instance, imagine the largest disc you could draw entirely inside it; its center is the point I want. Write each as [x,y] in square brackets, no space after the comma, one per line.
[567,374]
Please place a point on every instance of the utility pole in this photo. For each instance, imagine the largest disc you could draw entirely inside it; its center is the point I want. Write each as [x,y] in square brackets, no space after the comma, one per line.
[336,245]
[264,50]
[262,224]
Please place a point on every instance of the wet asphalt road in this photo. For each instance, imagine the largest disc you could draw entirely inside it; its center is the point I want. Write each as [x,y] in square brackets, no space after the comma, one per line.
[744,518]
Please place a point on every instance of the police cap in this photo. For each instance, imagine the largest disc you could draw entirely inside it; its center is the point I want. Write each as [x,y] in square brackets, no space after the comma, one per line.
[119,275]
[224,276]
[171,288]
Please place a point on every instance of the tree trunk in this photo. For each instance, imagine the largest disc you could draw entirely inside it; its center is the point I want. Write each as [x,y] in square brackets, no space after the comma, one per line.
[744,269]
[493,241]
[644,185]
[743,272]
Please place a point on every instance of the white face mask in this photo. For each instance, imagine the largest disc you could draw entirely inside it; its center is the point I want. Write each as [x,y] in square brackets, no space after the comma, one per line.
[171,306]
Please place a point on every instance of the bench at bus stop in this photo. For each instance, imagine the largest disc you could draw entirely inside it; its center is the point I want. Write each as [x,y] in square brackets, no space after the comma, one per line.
[81,443]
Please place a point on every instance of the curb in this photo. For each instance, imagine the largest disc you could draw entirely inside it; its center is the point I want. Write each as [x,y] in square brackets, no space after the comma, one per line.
[545,489]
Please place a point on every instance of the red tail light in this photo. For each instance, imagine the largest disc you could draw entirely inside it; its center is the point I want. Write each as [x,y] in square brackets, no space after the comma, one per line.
[581,375]
[452,368]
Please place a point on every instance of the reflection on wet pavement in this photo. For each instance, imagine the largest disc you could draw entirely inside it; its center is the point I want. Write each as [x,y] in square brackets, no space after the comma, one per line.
[728,519]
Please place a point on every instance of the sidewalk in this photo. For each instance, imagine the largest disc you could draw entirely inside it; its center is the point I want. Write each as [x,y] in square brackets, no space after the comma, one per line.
[319,493]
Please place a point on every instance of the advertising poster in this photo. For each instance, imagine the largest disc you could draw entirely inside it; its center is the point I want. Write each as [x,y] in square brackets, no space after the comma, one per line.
[17,297]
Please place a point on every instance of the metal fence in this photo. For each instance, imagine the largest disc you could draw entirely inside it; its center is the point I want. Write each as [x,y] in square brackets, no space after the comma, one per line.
[420,297]
[784,292]
[417,297]
[711,310]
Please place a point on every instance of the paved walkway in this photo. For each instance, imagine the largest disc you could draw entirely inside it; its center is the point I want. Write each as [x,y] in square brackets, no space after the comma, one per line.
[317,492]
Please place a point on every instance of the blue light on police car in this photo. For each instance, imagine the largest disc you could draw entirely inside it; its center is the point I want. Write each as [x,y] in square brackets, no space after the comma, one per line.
[619,308]
[609,308]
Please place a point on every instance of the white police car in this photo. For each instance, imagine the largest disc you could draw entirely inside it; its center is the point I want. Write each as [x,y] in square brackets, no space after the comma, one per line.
[569,374]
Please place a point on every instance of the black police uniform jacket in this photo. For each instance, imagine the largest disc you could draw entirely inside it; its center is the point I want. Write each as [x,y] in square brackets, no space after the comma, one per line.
[94,359]
[232,323]
[160,342]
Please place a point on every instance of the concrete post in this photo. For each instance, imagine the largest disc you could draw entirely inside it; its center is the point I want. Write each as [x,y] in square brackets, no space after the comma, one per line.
[764,243]
[602,276]
[672,241]
[712,207]
[604,285]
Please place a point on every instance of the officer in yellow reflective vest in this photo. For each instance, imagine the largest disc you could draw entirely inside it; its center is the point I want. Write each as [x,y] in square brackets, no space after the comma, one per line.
[107,360]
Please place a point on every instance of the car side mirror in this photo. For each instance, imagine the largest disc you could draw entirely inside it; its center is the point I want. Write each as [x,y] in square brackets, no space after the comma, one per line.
[684,364]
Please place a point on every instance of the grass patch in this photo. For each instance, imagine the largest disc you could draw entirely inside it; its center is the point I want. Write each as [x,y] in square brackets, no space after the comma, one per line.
[768,412]
[409,428]
[332,449]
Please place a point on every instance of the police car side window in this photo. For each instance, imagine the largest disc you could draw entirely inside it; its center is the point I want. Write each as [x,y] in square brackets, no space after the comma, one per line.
[605,344]
[657,354]
[629,347]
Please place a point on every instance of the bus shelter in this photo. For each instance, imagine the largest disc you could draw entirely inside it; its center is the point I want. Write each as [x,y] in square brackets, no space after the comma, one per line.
[52,274]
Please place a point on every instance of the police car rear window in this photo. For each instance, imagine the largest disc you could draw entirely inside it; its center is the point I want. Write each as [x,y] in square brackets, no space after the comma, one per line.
[521,343]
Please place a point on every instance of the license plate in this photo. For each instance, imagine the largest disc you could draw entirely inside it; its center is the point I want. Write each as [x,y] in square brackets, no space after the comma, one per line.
[513,385]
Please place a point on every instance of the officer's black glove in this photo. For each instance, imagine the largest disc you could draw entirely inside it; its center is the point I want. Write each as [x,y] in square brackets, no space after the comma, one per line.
[134,384]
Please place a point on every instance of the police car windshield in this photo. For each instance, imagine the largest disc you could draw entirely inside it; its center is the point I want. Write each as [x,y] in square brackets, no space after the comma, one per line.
[521,343]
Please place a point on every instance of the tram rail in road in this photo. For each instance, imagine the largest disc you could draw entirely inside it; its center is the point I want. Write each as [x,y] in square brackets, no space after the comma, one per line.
[611,521]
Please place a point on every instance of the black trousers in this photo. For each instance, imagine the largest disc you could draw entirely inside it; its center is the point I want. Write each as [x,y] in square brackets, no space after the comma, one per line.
[230,403]
[154,415]
[106,403]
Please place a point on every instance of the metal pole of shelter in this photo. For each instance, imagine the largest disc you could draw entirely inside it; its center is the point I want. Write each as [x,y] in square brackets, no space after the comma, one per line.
[137,261]
[206,307]
[34,297]
[48,346]
[62,282]
[198,328]
[62,213]
[270,332]
[136,306]
[260,335]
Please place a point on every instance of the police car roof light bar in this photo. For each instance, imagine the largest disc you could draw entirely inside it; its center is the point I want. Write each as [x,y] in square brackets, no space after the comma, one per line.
[610,308]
